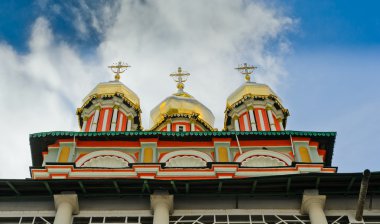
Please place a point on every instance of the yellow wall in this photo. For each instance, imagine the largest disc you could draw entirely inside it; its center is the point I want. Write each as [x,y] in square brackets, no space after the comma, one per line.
[148,155]
[305,157]
[223,154]
[64,155]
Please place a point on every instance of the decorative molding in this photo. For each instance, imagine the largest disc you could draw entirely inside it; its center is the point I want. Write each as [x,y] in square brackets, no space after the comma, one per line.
[194,153]
[105,158]
[186,161]
[262,161]
[106,162]
[155,171]
[265,153]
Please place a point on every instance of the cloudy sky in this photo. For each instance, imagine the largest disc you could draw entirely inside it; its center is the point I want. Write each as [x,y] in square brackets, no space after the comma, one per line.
[322,58]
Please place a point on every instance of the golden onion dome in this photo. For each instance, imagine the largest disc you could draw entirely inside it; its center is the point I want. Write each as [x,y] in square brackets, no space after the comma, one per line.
[181,103]
[111,88]
[250,89]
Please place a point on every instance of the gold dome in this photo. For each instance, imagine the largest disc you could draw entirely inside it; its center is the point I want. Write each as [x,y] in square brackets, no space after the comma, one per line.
[112,88]
[251,89]
[181,103]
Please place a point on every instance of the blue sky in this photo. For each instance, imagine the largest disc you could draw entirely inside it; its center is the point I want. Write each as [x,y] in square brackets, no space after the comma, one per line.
[322,58]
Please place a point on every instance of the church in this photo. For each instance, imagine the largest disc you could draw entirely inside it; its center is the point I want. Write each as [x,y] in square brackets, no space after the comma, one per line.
[182,170]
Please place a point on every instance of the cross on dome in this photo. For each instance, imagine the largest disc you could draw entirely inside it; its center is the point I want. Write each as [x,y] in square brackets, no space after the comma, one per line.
[246,70]
[118,68]
[180,77]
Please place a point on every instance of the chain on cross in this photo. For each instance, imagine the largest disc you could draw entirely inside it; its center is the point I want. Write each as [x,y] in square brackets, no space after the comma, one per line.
[118,68]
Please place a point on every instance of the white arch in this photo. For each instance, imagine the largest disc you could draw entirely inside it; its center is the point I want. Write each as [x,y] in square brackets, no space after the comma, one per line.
[194,153]
[106,154]
[264,153]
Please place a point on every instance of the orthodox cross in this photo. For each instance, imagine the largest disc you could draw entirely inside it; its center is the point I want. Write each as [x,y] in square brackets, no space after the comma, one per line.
[180,77]
[118,68]
[246,70]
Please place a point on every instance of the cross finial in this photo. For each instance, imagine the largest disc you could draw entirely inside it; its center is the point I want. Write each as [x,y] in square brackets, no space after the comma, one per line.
[180,77]
[246,70]
[118,68]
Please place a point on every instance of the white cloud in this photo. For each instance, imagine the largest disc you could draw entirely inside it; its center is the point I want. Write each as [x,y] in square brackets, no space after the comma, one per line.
[207,39]
[42,87]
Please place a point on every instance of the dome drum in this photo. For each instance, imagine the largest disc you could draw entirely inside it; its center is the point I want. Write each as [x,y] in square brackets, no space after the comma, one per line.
[182,122]
[256,115]
[110,106]
[255,107]
[109,118]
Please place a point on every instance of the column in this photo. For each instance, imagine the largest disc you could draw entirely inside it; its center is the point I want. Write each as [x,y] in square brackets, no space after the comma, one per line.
[192,125]
[313,205]
[162,205]
[169,125]
[129,123]
[252,118]
[281,124]
[114,117]
[236,123]
[84,124]
[66,205]
[95,120]
[270,118]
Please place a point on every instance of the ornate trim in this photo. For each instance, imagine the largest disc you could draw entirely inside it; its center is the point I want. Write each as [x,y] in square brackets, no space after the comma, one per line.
[265,153]
[193,153]
[186,161]
[105,154]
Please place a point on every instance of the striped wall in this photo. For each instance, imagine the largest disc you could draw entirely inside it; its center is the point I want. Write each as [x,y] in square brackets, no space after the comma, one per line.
[107,119]
[258,119]
[181,125]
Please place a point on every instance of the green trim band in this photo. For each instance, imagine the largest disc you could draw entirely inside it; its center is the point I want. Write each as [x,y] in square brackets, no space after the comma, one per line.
[182,134]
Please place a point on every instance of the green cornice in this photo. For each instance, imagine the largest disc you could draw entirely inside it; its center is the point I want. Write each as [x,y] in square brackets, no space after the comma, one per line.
[180,134]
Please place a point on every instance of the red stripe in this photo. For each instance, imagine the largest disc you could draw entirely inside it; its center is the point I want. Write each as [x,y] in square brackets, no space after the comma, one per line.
[100,121]
[125,120]
[241,123]
[110,113]
[88,124]
[258,122]
[266,119]
[119,114]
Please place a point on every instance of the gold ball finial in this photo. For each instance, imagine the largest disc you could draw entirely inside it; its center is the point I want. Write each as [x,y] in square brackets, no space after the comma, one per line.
[180,85]
[118,68]
[246,70]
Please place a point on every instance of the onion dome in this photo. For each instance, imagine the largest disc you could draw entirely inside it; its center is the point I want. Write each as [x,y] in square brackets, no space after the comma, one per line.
[181,111]
[254,107]
[111,106]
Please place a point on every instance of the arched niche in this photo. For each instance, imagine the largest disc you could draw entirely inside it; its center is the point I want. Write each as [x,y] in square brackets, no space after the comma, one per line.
[105,159]
[263,158]
[186,158]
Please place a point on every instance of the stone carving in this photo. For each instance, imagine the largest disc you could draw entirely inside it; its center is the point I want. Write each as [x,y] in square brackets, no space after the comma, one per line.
[106,162]
[186,161]
[262,161]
